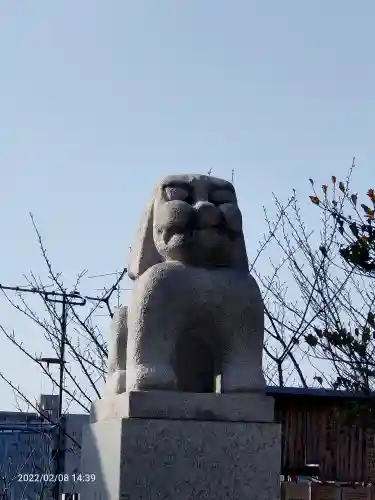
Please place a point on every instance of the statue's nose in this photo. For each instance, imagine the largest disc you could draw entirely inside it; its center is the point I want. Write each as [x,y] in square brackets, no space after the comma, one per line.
[208,214]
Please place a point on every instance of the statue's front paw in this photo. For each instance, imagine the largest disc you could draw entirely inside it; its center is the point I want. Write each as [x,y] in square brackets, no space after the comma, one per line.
[237,378]
[151,378]
[116,382]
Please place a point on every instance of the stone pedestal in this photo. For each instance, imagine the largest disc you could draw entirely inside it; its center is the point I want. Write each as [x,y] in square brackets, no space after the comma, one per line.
[190,450]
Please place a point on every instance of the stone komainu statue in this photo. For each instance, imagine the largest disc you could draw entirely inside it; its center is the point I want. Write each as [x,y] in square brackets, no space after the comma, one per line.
[195,310]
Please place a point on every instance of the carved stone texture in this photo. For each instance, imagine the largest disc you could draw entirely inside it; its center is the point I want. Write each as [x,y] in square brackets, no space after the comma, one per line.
[169,405]
[116,377]
[195,310]
[149,459]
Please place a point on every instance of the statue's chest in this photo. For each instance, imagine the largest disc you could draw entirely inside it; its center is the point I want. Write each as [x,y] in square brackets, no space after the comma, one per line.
[212,291]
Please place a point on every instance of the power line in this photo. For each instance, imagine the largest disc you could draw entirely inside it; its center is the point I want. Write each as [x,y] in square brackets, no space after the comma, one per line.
[26,429]
[102,275]
[121,289]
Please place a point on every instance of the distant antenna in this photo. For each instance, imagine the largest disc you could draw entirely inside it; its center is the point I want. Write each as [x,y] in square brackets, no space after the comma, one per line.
[232,179]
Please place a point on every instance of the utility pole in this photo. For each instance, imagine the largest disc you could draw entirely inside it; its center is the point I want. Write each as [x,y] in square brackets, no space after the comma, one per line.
[72,299]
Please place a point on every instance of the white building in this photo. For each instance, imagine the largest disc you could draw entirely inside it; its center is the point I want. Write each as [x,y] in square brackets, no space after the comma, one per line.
[27,451]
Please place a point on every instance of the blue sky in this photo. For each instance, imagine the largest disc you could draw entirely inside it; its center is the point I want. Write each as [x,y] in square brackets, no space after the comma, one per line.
[99,100]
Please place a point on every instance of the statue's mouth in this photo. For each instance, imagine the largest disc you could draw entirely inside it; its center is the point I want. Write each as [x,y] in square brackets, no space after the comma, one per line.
[220,229]
[191,233]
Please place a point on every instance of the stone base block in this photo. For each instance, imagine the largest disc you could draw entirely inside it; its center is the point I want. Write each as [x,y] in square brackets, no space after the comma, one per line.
[156,459]
[246,407]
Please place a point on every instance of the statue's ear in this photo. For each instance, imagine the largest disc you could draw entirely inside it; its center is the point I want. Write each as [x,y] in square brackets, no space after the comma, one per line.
[240,260]
[233,216]
[143,254]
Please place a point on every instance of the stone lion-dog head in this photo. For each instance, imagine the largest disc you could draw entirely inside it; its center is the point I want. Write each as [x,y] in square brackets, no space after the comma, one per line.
[193,219]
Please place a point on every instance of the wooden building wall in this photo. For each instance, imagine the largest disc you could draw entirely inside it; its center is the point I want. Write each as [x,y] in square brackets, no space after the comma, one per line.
[325,431]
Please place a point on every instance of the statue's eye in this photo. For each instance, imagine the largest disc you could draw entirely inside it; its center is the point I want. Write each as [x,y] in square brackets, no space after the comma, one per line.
[177,193]
[221,196]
